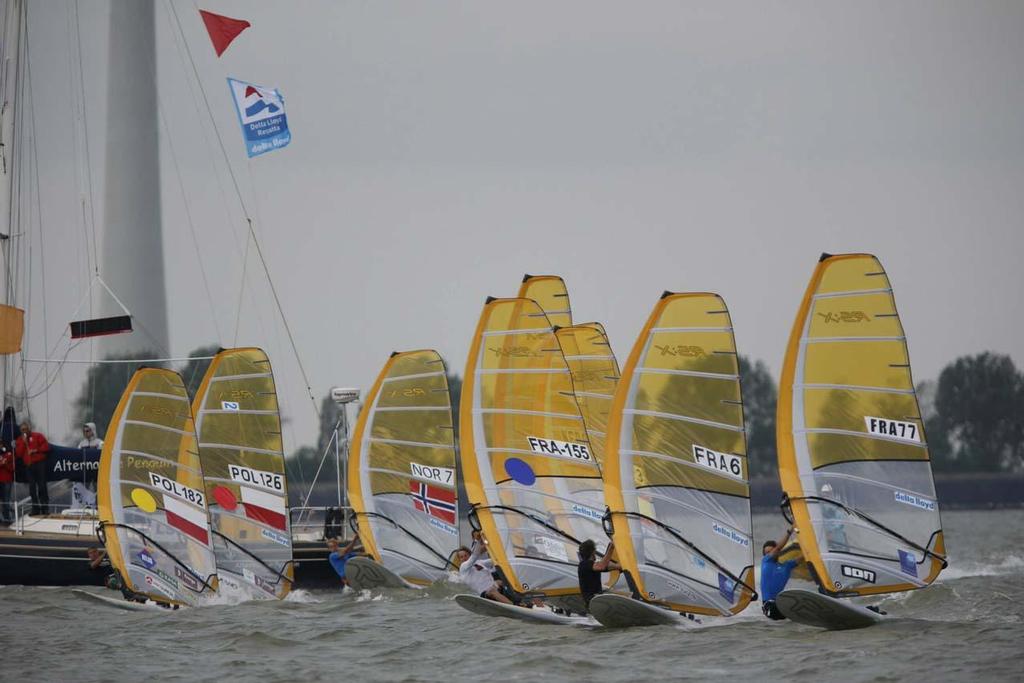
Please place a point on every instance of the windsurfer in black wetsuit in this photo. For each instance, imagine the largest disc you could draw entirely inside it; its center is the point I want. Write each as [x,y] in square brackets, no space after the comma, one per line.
[590,569]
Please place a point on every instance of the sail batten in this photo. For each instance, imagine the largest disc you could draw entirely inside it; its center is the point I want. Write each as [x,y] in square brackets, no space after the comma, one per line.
[402,483]
[853,457]
[239,435]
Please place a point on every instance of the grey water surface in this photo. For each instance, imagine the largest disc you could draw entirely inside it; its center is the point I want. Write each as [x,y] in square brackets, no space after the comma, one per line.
[969,626]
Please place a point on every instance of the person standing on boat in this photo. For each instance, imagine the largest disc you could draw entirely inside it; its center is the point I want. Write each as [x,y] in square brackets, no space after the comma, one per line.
[32,447]
[590,569]
[339,558]
[82,495]
[774,574]
[6,483]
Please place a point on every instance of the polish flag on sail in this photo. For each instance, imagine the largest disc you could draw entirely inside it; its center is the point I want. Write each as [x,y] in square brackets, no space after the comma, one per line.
[264,507]
[187,519]
[222,29]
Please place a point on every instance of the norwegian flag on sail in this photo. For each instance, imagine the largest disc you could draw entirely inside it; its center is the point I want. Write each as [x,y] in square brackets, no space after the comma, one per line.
[264,507]
[187,519]
[434,500]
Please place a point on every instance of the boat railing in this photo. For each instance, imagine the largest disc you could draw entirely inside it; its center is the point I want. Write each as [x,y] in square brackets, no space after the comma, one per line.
[316,523]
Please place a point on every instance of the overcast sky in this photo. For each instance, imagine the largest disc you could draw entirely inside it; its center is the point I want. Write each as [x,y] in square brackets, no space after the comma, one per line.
[442,149]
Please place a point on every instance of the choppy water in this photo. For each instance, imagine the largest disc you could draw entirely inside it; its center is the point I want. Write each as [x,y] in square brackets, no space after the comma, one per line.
[969,626]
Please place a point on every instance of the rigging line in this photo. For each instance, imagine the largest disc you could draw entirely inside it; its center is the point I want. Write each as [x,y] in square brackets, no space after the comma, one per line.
[241,292]
[101,531]
[118,360]
[188,218]
[85,139]
[517,511]
[241,201]
[279,574]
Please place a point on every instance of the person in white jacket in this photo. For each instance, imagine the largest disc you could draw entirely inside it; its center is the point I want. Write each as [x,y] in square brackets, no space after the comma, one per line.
[475,570]
[81,495]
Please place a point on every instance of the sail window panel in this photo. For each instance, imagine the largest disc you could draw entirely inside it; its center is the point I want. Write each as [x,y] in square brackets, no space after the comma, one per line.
[522,351]
[243,361]
[692,351]
[863,315]
[827,449]
[542,466]
[694,310]
[675,438]
[399,458]
[216,461]
[661,472]
[516,314]
[853,273]
[414,392]
[882,364]
[244,393]
[595,375]
[165,411]
[159,442]
[430,426]
[847,409]
[386,482]
[703,398]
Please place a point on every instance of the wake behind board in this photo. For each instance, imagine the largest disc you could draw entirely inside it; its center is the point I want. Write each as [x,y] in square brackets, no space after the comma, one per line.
[621,611]
[363,573]
[813,609]
[543,615]
[117,602]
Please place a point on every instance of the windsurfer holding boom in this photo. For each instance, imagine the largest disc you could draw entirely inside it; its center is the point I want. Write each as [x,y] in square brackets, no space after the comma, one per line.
[476,570]
[774,574]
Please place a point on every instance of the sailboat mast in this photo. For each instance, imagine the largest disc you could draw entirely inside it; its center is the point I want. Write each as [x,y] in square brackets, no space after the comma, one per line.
[13,24]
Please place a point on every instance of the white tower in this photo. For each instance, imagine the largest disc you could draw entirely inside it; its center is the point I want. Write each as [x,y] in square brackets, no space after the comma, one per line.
[133,260]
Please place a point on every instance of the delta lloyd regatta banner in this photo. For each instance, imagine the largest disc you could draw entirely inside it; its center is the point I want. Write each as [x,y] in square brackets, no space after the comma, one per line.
[261,115]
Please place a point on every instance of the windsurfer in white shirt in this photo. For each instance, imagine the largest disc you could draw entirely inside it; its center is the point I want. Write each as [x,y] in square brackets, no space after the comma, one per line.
[476,570]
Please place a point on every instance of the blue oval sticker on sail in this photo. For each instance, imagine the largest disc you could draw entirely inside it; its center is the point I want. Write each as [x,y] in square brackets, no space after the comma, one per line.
[520,471]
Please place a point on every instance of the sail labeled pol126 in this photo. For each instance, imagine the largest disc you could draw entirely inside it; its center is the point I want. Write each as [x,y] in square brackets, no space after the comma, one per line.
[152,506]
[402,483]
[853,457]
[239,428]
[676,469]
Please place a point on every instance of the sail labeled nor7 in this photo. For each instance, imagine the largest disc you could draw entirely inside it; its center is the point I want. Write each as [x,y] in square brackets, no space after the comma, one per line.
[402,483]
[530,473]
[676,465]
[853,458]
[152,506]
[239,429]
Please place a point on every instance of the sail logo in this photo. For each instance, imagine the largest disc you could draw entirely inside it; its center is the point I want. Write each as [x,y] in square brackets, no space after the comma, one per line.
[915,500]
[845,317]
[229,405]
[147,560]
[272,481]
[562,449]
[276,537]
[731,534]
[514,352]
[858,573]
[584,511]
[187,578]
[726,464]
[441,475]
[413,392]
[682,350]
[261,115]
[446,528]
[908,563]
[895,429]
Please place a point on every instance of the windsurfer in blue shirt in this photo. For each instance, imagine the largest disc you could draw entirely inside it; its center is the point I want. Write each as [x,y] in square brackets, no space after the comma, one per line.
[774,574]
[339,558]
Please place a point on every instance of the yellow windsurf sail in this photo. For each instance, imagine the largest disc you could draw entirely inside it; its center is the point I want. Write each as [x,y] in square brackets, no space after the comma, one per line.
[401,481]
[239,429]
[551,295]
[595,374]
[152,509]
[529,471]
[676,465]
[853,458]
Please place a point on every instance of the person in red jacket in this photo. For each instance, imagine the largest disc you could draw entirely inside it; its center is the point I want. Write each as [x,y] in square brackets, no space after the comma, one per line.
[6,483]
[32,448]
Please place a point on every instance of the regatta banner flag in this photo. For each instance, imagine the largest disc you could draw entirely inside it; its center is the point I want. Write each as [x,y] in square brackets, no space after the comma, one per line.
[261,115]
[222,29]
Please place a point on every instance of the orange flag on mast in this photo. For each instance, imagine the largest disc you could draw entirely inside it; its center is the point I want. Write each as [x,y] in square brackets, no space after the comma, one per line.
[222,29]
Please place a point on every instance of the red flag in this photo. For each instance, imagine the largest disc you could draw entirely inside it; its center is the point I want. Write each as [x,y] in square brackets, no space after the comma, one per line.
[222,29]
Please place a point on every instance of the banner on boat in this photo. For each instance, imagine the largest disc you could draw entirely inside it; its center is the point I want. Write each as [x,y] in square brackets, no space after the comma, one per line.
[73,464]
[261,115]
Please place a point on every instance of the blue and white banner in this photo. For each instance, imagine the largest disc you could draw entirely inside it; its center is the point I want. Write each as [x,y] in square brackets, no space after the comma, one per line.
[261,114]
